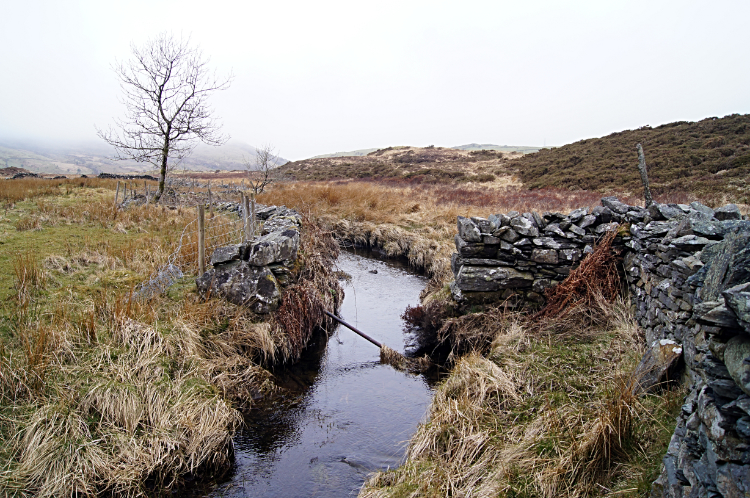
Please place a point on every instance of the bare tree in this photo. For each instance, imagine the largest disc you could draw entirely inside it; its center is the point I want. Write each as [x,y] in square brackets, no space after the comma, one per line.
[260,174]
[166,85]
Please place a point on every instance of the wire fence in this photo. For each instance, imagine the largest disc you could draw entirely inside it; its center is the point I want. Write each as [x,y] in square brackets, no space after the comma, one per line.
[220,229]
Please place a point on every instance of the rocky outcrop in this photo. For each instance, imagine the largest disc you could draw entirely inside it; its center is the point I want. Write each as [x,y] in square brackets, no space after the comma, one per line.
[253,273]
[688,271]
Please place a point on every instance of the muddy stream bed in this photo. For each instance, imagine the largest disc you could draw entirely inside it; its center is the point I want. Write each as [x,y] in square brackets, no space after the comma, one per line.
[343,415]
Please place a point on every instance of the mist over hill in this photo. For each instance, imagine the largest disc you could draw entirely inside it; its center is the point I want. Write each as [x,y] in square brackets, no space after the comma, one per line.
[94,157]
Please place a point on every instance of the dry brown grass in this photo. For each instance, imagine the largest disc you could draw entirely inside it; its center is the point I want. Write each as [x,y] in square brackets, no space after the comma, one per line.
[104,395]
[540,416]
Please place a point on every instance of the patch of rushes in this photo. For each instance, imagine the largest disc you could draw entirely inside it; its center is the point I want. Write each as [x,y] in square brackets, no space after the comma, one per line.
[548,412]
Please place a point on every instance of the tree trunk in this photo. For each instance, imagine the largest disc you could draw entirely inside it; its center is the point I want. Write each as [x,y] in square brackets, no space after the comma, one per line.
[163,168]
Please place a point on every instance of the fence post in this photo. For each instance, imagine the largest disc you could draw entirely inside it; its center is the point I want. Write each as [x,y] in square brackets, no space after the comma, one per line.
[245,216]
[117,192]
[210,204]
[201,239]
[252,219]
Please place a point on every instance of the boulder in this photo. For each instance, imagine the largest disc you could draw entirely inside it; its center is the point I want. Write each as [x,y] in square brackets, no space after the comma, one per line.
[737,360]
[242,284]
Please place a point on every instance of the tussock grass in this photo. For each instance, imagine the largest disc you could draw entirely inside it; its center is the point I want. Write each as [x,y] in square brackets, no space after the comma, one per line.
[545,411]
[105,395]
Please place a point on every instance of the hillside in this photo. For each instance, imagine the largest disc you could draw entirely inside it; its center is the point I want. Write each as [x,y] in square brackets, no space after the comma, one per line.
[503,148]
[710,158]
[406,164]
[92,158]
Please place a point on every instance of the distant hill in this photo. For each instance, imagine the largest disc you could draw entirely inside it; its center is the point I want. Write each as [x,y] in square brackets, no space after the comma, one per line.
[406,164]
[92,158]
[709,158]
[354,153]
[503,148]
[468,147]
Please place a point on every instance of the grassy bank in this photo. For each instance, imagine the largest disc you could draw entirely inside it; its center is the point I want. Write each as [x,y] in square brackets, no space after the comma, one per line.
[544,410]
[101,394]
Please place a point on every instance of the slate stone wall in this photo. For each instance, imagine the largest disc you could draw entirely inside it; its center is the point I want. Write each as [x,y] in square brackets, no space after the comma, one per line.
[254,272]
[688,270]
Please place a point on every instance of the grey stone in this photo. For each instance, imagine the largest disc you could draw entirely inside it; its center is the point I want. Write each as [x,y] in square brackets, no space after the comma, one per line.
[468,230]
[614,205]
[658,365]
[274,248]
[496,222]
[547,256]
[737,361]
[547,242]
[509,235]
[606,227]
[587,221]
[728,212]
[577,214]
[468,250]
[524,226]
[743,427]
[226,254]
[727,265]
[485,279]
[664,211]
[242,284]
[554,228]
[578,231]
[704,211]
[484,225]
[489,239]
[636,214]
[603,214]
[690,243]
[737,299]
[733,481]
[570,255]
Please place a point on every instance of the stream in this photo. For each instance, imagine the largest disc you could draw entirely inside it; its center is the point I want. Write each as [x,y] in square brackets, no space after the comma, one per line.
[344,415]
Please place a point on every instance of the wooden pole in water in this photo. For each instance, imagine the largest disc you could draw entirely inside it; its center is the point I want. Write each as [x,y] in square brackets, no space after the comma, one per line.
[353,329]
[201,240]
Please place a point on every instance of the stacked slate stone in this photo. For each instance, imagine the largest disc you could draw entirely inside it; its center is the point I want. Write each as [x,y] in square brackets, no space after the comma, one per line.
[690,282]
[514,257]
[253,273]
[688,270]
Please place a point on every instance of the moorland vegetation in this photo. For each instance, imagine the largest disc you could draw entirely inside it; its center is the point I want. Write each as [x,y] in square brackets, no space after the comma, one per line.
[102,394]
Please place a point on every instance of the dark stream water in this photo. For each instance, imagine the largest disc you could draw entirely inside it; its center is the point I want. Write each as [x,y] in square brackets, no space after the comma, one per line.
[344,415]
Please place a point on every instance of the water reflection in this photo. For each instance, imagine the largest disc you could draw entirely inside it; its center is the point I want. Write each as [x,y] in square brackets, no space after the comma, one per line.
[341,414]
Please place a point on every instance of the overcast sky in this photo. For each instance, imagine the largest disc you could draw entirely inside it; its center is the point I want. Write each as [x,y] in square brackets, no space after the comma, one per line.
[313,77]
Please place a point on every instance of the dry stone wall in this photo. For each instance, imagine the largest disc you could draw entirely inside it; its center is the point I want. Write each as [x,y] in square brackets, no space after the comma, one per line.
[688,271]
[253,273]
